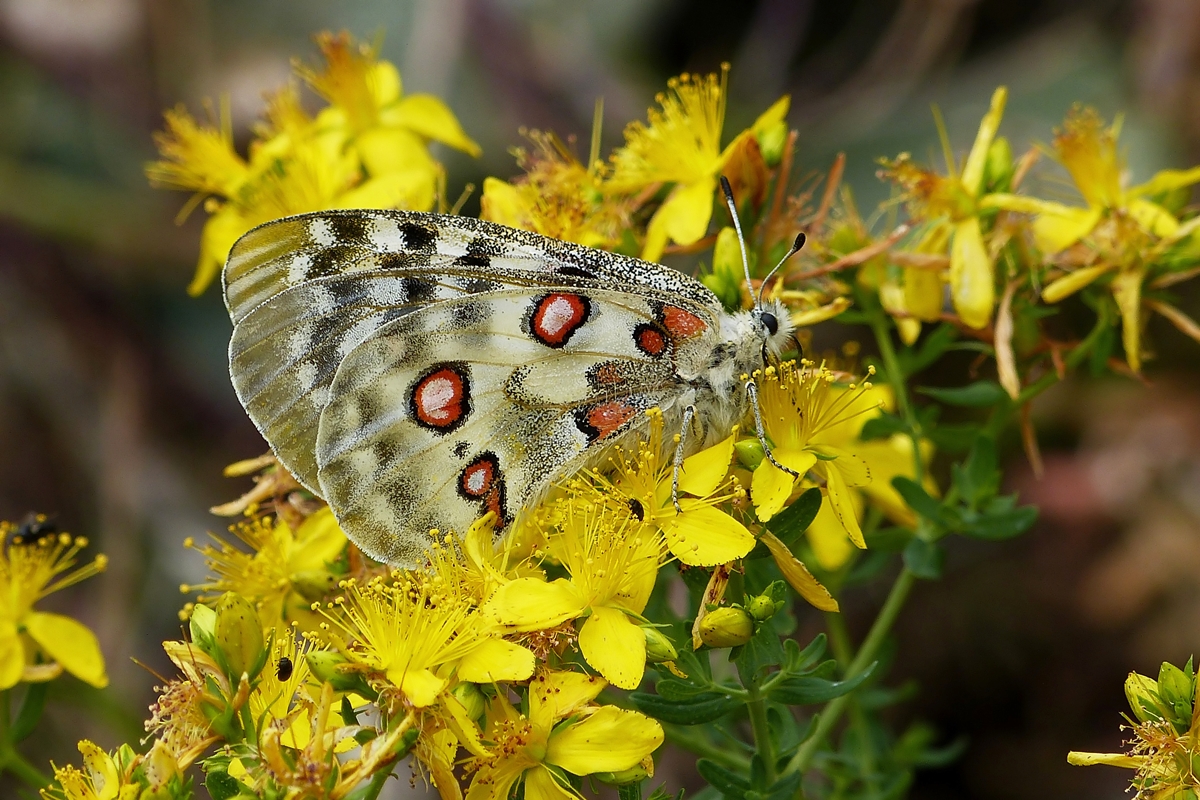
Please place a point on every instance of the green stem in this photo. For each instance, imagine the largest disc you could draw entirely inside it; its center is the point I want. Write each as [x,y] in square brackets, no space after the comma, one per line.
[867,654]
[895,376]
[839,637]
[10,759]
[757,708]
[694,741]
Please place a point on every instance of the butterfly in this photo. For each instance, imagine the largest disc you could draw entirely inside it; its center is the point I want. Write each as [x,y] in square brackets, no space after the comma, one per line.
[419,370]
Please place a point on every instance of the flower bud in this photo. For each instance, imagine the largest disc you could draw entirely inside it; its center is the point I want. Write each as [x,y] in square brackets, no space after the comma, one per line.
[762,607]
[726,278]
[771,141]
[238,634]
[749,453]
[313,584]
[659,648]
[726,627]
[1176,690]
[472,699]
[998,169]
[202,625]
[1142,694]
[330,667]
[623,777]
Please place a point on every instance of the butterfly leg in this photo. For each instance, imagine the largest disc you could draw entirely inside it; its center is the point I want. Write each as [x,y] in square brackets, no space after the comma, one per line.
[752,394]
[689,416]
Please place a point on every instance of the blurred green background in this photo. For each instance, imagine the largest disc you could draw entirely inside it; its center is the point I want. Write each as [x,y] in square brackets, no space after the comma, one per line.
[116,414]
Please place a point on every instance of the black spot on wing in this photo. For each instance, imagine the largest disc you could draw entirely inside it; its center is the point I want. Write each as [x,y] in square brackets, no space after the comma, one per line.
[576,272]
[461,448]
[386,451]
[329,261]
[481,262]
[468,315]
[348,228]
[484,247]
[418,237]
[321,332]
[479,285]
[417,290]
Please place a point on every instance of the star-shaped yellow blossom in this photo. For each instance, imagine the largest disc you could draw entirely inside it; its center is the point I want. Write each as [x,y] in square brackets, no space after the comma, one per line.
[1126,229]
[806,416]
[285,570]
[952,205]
[611,562]
[698,533]
[104,776]
[368,149]
[682,145]
[416,633]
[32,567]
[557,197]
[562,733]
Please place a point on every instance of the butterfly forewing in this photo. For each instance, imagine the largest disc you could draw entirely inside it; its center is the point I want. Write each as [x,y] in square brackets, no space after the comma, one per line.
[418,370]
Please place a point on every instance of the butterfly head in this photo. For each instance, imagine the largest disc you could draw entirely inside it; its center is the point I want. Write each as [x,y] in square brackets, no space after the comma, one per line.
[774,324]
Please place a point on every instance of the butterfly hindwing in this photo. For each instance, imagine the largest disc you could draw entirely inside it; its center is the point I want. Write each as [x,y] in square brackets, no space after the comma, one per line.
[475,405]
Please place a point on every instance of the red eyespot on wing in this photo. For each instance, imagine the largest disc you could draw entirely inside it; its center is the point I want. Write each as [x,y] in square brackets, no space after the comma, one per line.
[441,399]
[682,324]
[557,316]
[603,420]
[649,339]
[482,480]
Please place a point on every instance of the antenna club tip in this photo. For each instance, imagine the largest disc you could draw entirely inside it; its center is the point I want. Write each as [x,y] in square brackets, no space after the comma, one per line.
[726,188]
[800,240]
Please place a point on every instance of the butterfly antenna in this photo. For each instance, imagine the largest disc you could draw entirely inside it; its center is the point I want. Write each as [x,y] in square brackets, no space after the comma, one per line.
[737,226]
[796,245]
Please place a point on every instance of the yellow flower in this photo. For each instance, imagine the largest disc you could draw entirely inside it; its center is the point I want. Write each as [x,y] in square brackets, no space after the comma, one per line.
[698,533]
[1126,230]
[562,733]
[805,416]
[1165,747]
[285,570]
[682,145]
[106,777]
[953,202]
[612,562]
[369,149]
[557,197]
[417,633]
[32,567]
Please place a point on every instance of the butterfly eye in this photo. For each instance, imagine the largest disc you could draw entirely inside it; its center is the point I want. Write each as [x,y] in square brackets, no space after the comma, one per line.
[771,323]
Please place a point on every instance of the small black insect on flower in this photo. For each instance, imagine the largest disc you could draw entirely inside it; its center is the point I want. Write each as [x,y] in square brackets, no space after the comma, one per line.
[283,670]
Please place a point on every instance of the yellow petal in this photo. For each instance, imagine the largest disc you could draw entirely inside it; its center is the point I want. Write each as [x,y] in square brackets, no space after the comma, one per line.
[828,311]
[774,115]
[431,118]
[840,500]
[1165,181]
[1127,289]
[685,214]
[1111,759]
[495,782]
[459,722]
[557,694]
[1072,282]
[797,575]
[923,293]
[529,604]
[614,646]
[853,469]
[501,202]
[972,174]
[828,539]
[1055,232]
[420,686]
[1153,218]
[703,472]
[385,150]
[542,784]
[12,655]
[610,740]
[496,660]
[412,190]
[771,486]
[220,232]
[71,644]
[319,541]
[972,285]
[656,239]
[703,536]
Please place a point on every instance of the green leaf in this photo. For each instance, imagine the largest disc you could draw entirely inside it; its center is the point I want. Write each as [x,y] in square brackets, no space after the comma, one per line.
[679,691]
[803,691]
[917,498]
[30,713]
[222,786]
[924,559]
[797,660]
[882,427]
[794,520]
[725,781]
[976,395]
[1003,524]
[931,348]
[1102,350]
[978,478]
[762,651]
[785,787]
[952,437]
[693,711]
[630,791]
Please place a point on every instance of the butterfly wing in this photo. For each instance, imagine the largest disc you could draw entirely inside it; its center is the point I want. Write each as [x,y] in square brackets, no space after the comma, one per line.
[304,291]
[477,404]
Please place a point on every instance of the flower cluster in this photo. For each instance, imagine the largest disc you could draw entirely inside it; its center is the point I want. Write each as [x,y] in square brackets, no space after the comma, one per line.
[520,665]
